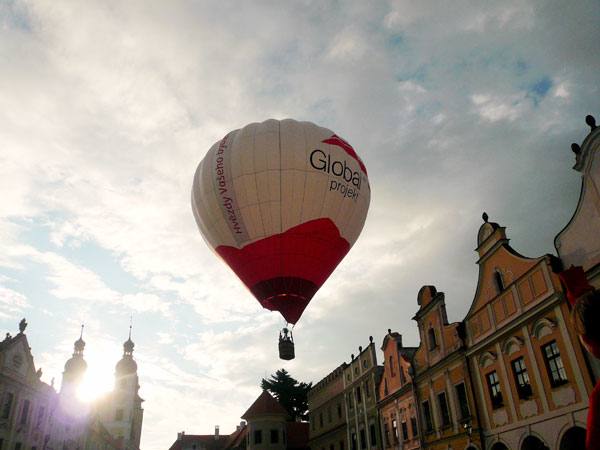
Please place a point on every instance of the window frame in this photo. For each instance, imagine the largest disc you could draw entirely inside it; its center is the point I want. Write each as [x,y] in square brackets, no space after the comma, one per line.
[521,377]
[427,416]
[494,389]
[464,407]
[555,359]
[444,409]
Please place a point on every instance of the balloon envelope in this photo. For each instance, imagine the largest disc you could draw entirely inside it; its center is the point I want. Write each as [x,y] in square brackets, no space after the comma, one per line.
[281,202]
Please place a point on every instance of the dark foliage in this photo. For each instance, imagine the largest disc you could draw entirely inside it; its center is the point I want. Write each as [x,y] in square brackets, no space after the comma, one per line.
[289,392]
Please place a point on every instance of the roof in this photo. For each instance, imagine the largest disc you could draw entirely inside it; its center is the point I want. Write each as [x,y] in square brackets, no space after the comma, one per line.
[208,441]
[297,435]
[236,439]
[265,404]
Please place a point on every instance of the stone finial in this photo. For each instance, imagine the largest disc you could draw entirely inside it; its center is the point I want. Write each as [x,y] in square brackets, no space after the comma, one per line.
[575,148]
[7,337]
[22,325]
[389,331]
[352,356]
[359,348]
[485,217]
[589,119]
[371,339]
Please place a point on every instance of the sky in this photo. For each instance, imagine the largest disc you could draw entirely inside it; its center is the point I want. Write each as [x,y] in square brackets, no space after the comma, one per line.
[106,108]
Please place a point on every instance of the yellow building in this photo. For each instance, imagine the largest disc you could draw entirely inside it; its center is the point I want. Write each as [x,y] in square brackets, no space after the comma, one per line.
[529,370]
[447,408]
[397,408]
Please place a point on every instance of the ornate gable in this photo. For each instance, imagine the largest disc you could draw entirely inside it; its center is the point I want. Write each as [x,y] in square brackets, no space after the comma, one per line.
[508,282]
[578,244]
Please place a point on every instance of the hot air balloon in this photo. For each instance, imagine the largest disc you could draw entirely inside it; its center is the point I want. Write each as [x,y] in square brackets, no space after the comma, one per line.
[282,202]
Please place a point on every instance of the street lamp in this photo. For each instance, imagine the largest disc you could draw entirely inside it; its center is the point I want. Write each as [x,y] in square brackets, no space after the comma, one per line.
[469,430]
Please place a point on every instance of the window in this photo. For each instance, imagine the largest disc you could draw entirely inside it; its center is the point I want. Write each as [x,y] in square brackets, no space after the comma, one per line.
[258,436]
[463,401]
[395,430]
[18,446]
[331,447]
[24,412]
[358,396]
[367,391]
[40,417]
[498,281]
[8,401]
[386,434]
[119,414]
[494,387]
[404,431]
[554,364]
[413,426]
[391,360]
[353,441]
[363,439]
[341,445]
[365,363]
[521,378]
[274,436]
[372,435]
[427,416]
[349,401]
[339,410]
[432,339]
[443,404]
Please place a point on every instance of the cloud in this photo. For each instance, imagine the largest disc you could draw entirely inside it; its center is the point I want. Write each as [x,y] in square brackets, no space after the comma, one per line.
[108,107]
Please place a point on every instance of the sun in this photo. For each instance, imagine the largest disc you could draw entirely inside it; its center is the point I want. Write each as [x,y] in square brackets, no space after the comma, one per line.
[99,377]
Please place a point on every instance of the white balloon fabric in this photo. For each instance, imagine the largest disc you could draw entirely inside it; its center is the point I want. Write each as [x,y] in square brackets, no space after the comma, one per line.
[281,202]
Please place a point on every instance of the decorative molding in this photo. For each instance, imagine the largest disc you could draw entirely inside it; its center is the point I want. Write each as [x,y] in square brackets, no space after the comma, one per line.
[564,396]
[543,327]
[528,408]
[512,345]
[500,417]
[487,359]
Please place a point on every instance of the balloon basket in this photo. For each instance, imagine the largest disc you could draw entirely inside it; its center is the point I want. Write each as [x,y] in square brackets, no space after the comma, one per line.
[286,346]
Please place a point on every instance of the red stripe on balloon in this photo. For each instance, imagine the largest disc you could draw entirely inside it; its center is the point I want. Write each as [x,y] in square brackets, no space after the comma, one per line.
[336,140]
[284,271]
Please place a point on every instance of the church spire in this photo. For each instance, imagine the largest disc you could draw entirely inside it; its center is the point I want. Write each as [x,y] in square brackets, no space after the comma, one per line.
[127,365]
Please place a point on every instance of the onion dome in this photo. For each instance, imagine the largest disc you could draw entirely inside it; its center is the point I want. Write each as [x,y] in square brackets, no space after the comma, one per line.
[127,365]
[76,364]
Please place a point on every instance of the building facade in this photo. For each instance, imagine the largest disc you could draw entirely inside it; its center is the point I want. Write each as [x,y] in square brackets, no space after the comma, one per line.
[34,416]
[397,407]
[529,368]
[27,403]
[447,407]
[327,415]
[361,382]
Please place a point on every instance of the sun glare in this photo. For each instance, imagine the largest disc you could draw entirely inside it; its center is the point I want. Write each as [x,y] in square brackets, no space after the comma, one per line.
[98,379]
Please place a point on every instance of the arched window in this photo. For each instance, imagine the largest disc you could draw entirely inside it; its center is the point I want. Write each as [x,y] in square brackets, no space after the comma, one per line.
[498,281]
[432,339]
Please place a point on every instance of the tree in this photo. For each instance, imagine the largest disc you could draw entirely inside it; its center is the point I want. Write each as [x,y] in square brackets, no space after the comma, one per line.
[289,392]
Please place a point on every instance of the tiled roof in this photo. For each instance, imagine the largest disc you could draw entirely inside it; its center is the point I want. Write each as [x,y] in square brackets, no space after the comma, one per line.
[207,441]
[237,437]
[265,404]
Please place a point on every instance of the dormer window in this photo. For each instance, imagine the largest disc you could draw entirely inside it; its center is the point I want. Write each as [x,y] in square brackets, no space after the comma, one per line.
[498,281]
[432,339]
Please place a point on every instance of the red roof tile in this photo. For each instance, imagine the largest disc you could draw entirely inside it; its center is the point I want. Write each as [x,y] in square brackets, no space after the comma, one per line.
[265,404]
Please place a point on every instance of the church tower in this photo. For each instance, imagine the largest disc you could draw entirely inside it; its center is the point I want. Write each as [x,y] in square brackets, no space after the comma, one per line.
[75,369]
[123,414]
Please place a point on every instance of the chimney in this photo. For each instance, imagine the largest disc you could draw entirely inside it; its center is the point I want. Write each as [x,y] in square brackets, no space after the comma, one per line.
[180,435]
[216,432]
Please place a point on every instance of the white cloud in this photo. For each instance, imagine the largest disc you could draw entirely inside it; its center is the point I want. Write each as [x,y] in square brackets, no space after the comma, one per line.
[107,107]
